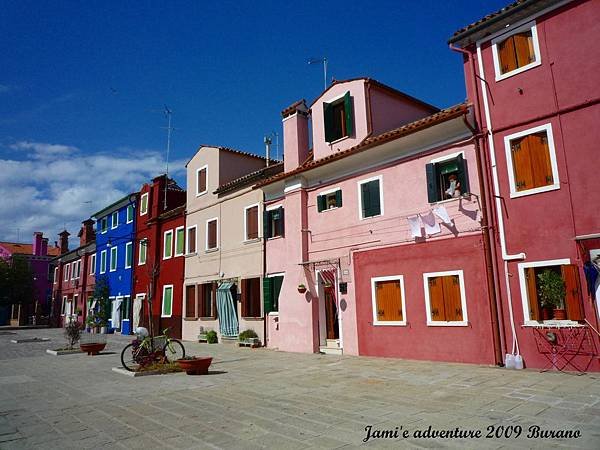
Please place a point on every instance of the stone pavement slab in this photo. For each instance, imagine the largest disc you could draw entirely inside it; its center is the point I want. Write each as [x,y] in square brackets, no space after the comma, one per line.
[260,398]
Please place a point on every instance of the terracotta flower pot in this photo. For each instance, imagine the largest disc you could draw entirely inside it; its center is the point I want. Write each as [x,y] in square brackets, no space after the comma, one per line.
[302,289]
[546,313]
[93,348]
[560,314]
[196,366]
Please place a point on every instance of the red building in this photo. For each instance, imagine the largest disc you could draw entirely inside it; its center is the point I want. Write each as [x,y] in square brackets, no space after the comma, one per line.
[159,256]
[535,90]
[74,276]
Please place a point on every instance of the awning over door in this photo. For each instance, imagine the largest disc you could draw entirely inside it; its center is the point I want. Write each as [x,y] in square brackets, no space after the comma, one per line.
[228,321]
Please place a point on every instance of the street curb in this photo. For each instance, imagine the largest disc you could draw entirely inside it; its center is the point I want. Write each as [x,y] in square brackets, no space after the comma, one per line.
[22,341]
[122,371]
[63,352]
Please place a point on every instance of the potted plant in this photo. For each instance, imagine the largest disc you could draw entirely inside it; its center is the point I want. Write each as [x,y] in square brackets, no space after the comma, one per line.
[249,337]
[552,292]
[301,288]
[211,337]
[195,365]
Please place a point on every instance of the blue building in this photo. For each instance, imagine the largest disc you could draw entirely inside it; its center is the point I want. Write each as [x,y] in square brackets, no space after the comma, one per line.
[115,242]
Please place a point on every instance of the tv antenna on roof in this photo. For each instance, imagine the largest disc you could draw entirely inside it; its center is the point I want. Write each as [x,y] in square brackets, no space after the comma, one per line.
[324,62]
[168,114]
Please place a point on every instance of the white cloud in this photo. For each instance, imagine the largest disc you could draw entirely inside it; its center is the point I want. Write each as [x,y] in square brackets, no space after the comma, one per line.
[46,187]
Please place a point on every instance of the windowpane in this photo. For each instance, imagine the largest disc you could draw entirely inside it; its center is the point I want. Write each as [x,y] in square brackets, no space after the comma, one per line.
[128,254]
[206,305]
[113,259]
[516,51]
[191,240]
[115,219]
[532,167]
[130,213]
[211,234]
[143,250]
[168,245]
[144,204]
[445,298]
[371,205]
[251,297]
[388,298]
[180,241]
[190,301]
[252,223]
[167,300]
[201,181]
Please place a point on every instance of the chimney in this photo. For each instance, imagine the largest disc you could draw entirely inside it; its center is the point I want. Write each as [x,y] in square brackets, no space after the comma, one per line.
[63,239]
[87,233]
[295,135]
[44,247]
[157,196]
[37,243]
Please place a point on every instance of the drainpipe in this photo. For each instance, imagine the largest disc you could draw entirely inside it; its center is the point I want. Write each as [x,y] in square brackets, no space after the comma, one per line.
[505,255]
[497,316]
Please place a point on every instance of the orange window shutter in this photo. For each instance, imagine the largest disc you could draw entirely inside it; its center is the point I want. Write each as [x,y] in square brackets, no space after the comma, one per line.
[523,48]
[436,299]
[379,301]
[521,158]
[452,299]
[389,301]
[532,297]
[573,298]
[541,166]
[506,55]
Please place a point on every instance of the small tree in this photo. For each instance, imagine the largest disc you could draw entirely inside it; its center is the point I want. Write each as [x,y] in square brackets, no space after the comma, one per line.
[551,289]
[101,293]
[72,333]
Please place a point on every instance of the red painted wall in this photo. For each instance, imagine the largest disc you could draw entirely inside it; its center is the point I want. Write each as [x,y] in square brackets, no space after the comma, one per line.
[416,340]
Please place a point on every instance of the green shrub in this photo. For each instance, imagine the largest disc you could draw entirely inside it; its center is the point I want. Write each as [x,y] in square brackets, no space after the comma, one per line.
[72,333]
[552,289]
[211,337]
[248,334]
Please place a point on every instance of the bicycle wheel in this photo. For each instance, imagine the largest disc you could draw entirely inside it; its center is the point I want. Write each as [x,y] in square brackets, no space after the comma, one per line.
[130,361]
[174,350]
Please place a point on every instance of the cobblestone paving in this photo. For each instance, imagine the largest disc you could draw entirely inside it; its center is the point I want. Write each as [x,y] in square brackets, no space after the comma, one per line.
[266,399]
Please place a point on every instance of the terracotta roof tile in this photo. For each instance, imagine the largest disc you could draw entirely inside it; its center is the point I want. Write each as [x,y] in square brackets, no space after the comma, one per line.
[251,177]
[26,249]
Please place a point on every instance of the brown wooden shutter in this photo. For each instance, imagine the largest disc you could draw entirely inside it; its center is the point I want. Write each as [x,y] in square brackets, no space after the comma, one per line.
[213,300]
[539,155]
[523,49]
[190,301]
[519,149]
[573,299]
[192,240]
[252,222]
[436,299]
[389,300]
[507,56]
[452,299]
[212,234]
[202,180]
[532,298]
[255,297]
[245,297]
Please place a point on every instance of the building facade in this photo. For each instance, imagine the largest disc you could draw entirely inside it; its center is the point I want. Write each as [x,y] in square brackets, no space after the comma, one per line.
[535,92]
[115,239]
[159,256]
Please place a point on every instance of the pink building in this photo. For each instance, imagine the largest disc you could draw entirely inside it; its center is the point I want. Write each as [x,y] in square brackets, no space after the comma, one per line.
[535,92]
[381,223]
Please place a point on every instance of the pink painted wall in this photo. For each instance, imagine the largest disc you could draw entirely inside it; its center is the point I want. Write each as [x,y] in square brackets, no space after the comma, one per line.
[417,340]
[544,225]
[389,112]
[295,137]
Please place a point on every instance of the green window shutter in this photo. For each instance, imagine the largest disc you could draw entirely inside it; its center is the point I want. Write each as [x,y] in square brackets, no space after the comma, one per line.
[328,121]
[338,198]
[462,174]
[282,220]
[277,282]
[267,224]
[375,203]
[321,200]
[267,295]
[349,113]
[365,199]
[432,183]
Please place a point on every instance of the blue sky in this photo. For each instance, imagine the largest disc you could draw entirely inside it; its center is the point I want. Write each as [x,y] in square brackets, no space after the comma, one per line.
[82,85]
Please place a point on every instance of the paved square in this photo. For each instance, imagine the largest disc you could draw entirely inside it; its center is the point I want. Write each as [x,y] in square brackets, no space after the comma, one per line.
[267,399]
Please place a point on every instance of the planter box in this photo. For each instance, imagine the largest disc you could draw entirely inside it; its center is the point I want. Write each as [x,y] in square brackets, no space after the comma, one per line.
[63,352]
[196,366]
[202,338]
[252,343]
[93,348]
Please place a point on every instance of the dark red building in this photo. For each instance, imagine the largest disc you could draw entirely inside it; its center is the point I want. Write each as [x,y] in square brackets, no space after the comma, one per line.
[159,256]
[535,90]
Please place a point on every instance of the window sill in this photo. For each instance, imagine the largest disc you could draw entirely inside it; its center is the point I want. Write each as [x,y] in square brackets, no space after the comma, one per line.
[371,217]
[207,318]
[166,317]
[273,314]
[552,324]
[200,194]
[252,318]
[453,199]
[252,241]
[447,324]
[167,257]
[191,254]
[338,140]
[389,324]
[512,73]
[211,250]
[274,237]
[550,187]
[331,209]
[190,319]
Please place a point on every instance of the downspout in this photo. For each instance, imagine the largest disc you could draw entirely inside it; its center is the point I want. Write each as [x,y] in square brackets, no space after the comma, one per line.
[505,255]
[496,311]
[264,270]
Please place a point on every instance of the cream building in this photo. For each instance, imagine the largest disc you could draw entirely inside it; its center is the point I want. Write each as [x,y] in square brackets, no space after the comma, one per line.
[224,263]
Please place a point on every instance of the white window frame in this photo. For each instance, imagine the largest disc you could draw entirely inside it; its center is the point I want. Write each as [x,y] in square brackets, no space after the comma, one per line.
[144,245]
[187,246]
[143,211]
[176,240]
[114,249]
[102,229]
[67,271]
[523,285]
[64,305]
[553,163]
[75,274]
[329,191]
[103,259]
[132,209]
[168,232]
[377,322]
[198,193]
[129,246]
[536,50]
[359,184]
[92,264]
[246,223]
[463,299]
[55,275]
[162,303]
[114,223]
[206,236]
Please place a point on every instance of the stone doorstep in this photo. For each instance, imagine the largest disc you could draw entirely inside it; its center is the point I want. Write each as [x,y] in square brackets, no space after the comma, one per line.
[123,371]
[63,352]
[22,341]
